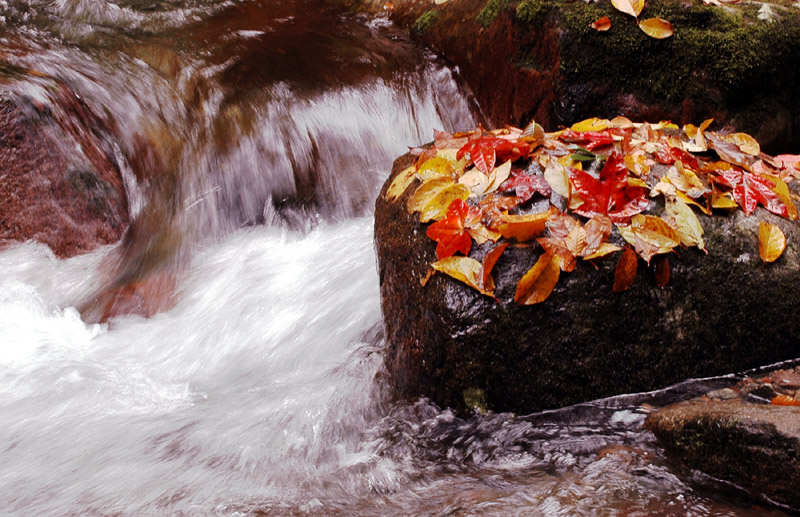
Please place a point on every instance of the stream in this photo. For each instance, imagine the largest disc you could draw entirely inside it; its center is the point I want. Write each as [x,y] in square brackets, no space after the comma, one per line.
[262,390]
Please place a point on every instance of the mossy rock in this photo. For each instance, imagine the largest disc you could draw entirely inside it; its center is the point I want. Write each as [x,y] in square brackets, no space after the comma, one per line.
[541,59]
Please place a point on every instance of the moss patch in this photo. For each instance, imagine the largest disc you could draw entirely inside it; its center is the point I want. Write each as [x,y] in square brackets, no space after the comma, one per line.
[492,9]
[424,22]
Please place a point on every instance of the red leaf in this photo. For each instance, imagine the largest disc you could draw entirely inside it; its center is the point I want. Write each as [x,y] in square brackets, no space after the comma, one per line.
[591,140]
[526,185]
[610,194]
[750,189]
[449,233]
[485,150]
[625,273]
[668,155]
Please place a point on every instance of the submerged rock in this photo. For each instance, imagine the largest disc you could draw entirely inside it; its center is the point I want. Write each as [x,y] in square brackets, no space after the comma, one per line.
[721,312]
[754,446]
[59,182]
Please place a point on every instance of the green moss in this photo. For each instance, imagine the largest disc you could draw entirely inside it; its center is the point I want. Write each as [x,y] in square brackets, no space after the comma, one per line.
[534,11]
[490,11]
[717,56]
[424,22]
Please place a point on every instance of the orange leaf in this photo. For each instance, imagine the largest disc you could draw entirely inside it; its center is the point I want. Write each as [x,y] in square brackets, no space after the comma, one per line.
[625,273]
[784,400]
[657,28]
[464,269]
[524,227]
[771,241]
[539,281]
[602,24]
[490,260]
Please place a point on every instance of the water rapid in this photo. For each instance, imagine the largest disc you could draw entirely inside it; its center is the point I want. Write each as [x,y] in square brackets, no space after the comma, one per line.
[253,138]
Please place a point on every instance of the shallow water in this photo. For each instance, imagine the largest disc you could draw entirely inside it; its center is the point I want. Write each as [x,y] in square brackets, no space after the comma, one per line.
[262,391]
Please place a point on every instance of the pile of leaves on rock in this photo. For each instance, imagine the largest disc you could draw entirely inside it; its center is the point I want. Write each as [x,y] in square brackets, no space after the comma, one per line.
[576,191]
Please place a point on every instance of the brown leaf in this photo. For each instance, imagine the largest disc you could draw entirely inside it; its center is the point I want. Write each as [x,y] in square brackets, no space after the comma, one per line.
[771,242]
[657,28]
[490,260]
[539,281]
[662,270]
[625,273]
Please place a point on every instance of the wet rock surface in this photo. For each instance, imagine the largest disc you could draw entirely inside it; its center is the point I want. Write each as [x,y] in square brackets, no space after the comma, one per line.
[59,182]
[730,436]
[721,312]
[541,59]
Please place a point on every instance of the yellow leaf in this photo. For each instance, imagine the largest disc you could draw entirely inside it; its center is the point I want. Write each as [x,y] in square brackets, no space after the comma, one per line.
[604,249]
[601,24]
[400,183]
[746,143]
[657,28]
[771,241]
[434,168]
[632,7]
[537,284]
[524,228]
[556,176]
[686,181]
[590,124]
[481,234]
[426,192]
[467,270]
[723,200]
[782,191]
[686,199]
[475,181]
[652,235]
[637,164]
[498,176]
[686,223]
[436,209]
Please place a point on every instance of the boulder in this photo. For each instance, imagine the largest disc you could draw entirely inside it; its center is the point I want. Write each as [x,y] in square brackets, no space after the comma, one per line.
[721,312]
[754,446]
[541,59]
[59,181]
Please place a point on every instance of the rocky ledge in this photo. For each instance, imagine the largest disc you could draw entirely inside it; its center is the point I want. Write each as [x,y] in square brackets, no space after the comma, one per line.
[727,436]
[59,181]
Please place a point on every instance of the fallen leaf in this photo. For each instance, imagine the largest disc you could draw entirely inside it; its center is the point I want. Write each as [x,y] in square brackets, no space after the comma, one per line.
[746,143]
[625,273]
[605,248]
[685,222]
[556,176]
[438,207]
[722,200]
[435,167]
[449,233]
[610,194]
[425,192]
[591,124]
[631,7]
[750,189]
[657,28]
[401,182]
[465,269]
[781,189]
[602,24]
[524,228]
[771,242]
[476,181]
[661,270]
[526,185]
[537,284]
[650,236]
[784,400]
[489,262]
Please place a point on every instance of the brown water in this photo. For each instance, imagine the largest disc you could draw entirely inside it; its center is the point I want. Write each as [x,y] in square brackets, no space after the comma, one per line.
[254,137]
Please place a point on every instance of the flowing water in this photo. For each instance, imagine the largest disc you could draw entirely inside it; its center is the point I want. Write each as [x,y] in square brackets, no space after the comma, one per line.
[269,128]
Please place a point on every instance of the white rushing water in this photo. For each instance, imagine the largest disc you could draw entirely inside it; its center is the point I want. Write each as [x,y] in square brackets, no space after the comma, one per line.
[253,388]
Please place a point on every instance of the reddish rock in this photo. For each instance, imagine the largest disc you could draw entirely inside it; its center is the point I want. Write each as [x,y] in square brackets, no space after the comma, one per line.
[59,183]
